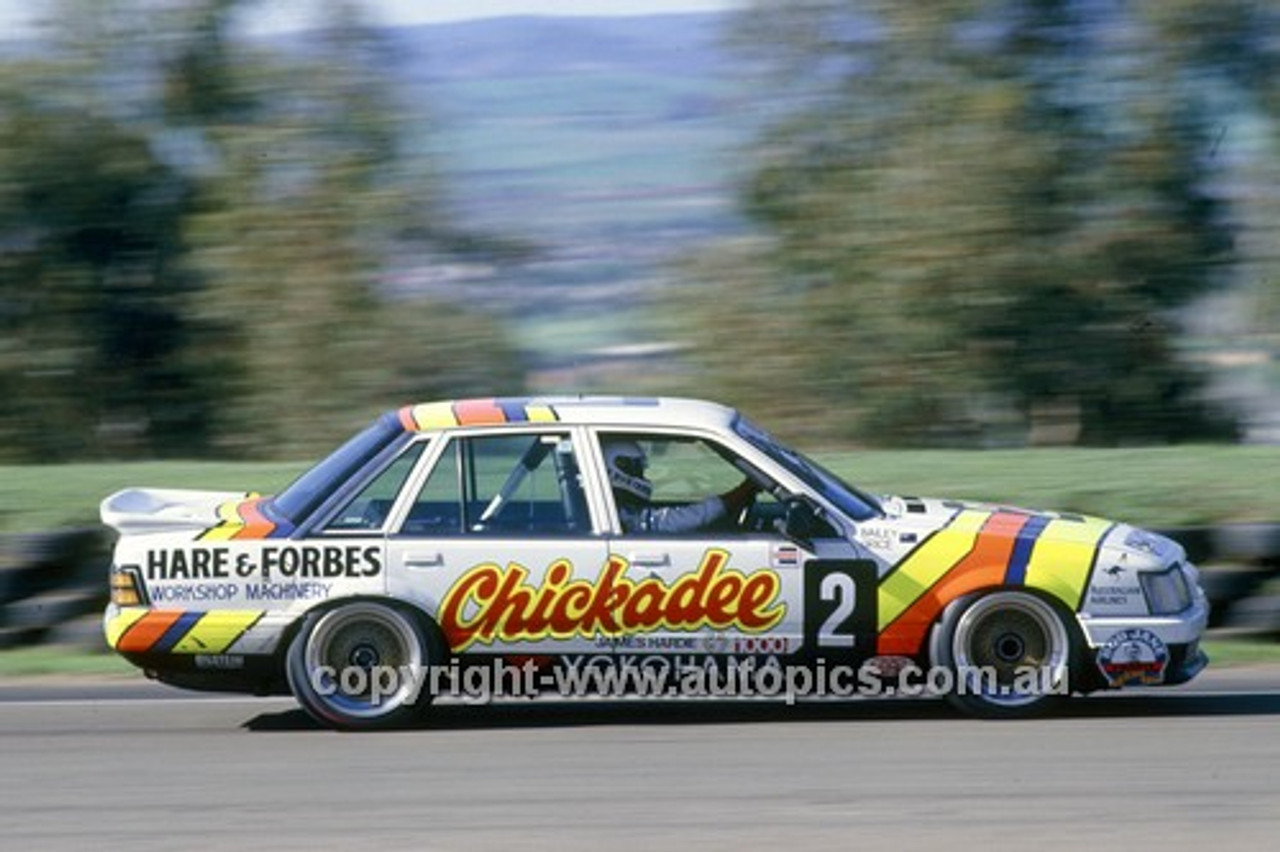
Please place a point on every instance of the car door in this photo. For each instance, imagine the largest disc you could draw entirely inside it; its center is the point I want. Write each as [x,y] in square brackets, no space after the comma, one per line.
[720,588]
[498,542]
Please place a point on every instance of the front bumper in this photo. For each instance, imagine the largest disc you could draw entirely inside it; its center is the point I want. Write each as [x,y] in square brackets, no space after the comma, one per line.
[1185,662]
[1146,651]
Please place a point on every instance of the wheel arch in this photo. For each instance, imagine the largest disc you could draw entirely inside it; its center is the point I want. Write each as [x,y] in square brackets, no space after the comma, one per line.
[431,632]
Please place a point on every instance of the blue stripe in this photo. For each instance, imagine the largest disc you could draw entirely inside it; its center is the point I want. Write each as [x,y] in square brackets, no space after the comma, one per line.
[1016,575]
[513,409]
[176,631]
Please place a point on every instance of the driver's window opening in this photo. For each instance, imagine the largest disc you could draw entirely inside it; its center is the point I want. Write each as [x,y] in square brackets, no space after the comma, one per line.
[682,485]
[502,485]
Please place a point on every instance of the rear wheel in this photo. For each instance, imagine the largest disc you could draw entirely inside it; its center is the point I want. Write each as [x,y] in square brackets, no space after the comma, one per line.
[1010,653]
[360,665]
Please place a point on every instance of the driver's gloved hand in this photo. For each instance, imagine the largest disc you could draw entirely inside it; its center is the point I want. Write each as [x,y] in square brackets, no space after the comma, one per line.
[739,497]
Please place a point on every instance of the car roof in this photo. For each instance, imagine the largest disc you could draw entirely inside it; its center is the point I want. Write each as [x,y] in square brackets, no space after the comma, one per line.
[622,411]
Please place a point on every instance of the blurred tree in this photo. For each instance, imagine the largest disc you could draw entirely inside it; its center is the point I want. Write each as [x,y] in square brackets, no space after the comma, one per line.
[311,197]
[194,228]
[979,220]
[93,294]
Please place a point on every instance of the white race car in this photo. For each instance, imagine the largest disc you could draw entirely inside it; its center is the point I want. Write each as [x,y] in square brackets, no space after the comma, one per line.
[668,537]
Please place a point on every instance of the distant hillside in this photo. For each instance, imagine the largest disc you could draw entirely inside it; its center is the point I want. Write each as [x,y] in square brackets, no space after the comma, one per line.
[531,45]
[607,143]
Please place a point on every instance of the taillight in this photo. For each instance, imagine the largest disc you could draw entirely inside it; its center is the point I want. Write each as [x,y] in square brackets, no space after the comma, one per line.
[126,587]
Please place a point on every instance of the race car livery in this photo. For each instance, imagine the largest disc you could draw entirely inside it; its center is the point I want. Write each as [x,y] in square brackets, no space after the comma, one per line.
[457,532]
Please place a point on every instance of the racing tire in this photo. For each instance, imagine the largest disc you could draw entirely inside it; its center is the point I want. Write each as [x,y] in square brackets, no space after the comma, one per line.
[360,666]
[1010,654]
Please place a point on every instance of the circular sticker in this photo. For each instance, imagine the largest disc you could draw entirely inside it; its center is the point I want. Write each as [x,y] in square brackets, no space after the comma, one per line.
[1133,656]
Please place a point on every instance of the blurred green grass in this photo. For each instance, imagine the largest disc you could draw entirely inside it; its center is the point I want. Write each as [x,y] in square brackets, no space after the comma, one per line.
[1151,486]
[64,661]
[45,497]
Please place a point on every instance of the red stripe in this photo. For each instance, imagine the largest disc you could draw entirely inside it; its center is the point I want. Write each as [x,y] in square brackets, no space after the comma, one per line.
[406,419]
[478,412]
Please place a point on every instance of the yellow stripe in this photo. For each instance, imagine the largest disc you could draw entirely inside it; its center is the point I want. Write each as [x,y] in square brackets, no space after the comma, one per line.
[215,631]
[227,511]
[229,521]
[928,563]
[1062,557]
[122,621]
[434,415]
[540,413]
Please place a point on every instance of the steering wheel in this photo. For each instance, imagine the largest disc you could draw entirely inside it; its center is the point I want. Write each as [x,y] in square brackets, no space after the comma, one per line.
[745,519]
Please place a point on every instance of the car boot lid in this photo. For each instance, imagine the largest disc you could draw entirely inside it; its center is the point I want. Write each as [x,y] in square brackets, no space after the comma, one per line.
[138,511]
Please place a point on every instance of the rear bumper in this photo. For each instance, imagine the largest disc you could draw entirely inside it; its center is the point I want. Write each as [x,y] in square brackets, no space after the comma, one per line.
[222,650]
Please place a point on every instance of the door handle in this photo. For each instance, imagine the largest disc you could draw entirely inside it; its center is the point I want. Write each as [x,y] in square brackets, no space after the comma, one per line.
[423,560]
[650,560]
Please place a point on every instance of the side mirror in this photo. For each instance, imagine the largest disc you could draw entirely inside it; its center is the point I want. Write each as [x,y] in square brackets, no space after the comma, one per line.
[801,522]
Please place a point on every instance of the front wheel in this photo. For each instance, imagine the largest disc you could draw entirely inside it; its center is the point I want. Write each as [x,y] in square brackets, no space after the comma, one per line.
[1009,653]
[358,666]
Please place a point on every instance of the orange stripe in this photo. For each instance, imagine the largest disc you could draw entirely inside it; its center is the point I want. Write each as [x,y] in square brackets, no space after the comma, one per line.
[478,412]
[984,566]
[146,631]
[255,523]
[406,419]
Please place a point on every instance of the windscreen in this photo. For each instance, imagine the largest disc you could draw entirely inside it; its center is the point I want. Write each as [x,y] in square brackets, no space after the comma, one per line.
[858,505]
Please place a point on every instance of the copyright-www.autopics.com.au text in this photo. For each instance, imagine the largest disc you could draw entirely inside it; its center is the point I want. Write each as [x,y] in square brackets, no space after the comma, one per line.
[616,676]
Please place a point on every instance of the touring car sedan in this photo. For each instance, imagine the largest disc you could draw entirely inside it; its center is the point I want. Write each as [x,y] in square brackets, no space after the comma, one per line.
[671,537]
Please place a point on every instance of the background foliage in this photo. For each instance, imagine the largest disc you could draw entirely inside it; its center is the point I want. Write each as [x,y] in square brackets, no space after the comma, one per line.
[977,221]
[195,226]
[962,223]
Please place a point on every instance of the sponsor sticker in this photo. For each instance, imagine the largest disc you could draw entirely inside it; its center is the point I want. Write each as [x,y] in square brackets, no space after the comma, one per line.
[1134,656]
[492,603]
[878,538]
[269,563]
[219,662]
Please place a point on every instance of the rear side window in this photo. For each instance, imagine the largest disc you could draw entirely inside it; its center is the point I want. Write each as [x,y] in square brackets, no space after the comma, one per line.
[502,485]
[369,509]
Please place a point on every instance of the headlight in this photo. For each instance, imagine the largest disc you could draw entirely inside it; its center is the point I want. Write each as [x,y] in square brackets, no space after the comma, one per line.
[1167,592]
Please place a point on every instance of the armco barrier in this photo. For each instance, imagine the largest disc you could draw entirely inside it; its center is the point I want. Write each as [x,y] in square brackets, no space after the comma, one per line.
[1238,564]
[53,585]
[48,581]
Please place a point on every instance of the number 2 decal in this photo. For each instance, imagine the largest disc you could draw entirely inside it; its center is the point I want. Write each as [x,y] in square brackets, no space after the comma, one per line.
[840,608]
[843,591]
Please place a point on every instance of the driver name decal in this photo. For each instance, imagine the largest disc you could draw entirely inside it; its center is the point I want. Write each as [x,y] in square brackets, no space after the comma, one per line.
[490,603]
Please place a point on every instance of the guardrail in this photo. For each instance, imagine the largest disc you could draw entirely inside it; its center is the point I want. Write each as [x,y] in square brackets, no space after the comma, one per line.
[53,585]
[1237,564]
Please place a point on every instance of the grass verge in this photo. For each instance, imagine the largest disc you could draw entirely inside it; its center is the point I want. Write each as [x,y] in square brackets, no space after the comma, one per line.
[62,661]
[1149,486]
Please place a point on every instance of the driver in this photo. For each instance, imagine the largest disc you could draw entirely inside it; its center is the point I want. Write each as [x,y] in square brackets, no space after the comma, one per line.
[626,462]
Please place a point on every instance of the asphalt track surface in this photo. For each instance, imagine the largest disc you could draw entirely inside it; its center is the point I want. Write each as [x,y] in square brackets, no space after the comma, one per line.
[139,767]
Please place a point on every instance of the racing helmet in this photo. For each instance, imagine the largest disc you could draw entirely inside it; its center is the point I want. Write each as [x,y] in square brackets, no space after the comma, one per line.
[626,463]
